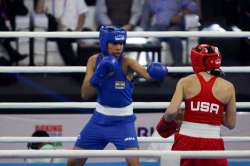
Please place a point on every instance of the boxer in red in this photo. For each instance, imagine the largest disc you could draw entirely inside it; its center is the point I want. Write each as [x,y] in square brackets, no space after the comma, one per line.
[209,103]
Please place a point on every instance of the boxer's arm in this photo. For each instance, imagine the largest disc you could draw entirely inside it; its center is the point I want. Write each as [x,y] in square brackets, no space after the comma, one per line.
[154,71]
[175,103]
[229,118]
[86,89]
[136,67]
[168,125]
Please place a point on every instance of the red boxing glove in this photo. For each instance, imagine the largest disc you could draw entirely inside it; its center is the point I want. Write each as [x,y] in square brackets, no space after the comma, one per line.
[166,129]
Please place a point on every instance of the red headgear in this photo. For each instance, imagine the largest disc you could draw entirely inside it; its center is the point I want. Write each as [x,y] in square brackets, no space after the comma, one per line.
[205,57]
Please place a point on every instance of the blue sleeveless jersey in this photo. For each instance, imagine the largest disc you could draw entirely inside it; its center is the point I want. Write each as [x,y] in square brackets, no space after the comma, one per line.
[115,91]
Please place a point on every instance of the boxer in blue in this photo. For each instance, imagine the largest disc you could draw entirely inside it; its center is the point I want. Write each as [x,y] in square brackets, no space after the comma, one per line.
[109,74]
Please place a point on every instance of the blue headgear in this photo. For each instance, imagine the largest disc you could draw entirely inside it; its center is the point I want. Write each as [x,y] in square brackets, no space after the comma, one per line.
[110,34]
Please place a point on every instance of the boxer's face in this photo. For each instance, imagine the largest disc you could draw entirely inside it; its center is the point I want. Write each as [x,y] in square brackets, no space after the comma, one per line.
[115,49]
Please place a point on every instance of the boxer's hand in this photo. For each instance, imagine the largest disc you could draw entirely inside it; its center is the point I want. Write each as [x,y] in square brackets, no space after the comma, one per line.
[166,129]
[157,71]
[106,66]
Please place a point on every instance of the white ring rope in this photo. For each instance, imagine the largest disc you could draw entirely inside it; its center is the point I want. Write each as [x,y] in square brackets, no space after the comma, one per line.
[91,105]
[140,139]
[122,153]
[81,69]
[130,34]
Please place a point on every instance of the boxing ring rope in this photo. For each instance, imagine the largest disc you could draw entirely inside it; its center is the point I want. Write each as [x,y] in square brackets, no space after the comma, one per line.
[130,34]
[166,157]
[91,105]
[81,69]
[140,139]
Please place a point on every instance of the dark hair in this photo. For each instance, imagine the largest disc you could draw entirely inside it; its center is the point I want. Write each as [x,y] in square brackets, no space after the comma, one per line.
[40,133]
[217,72]
[37,145]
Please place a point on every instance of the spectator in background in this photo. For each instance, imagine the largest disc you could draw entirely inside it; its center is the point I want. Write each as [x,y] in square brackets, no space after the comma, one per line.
[7,17]
[40,146]
[40,8]
[168,16]
[70,16]
[120,13]
[15,8]
[90,2]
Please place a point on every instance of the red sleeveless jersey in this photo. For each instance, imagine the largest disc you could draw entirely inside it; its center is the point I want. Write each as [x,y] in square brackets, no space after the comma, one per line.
[204,107]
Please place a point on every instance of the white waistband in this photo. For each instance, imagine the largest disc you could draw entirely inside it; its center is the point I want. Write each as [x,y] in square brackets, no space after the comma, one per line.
[120,111]
[200,130]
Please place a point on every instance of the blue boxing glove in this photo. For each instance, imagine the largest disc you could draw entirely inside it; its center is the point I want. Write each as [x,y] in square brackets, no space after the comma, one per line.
[157,71]
[106,66]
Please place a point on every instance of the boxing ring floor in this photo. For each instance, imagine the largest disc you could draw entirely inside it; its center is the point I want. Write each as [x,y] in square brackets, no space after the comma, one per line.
[231,163]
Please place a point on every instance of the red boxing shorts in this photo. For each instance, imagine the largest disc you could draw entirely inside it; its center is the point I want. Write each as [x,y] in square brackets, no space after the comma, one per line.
[186,143]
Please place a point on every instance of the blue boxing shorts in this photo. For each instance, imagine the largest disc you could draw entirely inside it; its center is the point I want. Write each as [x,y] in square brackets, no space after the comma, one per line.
[96,136]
